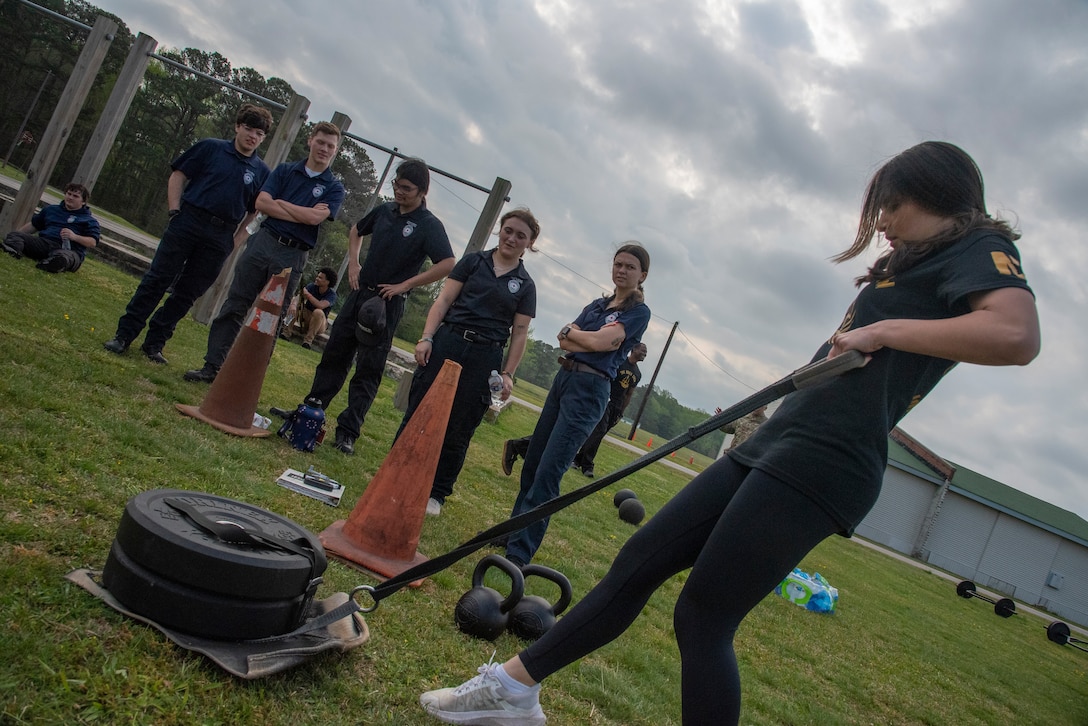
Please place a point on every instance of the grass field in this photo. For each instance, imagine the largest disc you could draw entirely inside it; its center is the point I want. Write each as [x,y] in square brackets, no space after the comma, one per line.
[83,431]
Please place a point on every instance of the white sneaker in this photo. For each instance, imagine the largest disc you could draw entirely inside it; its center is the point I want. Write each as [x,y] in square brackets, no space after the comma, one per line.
[434,507]
[484,701]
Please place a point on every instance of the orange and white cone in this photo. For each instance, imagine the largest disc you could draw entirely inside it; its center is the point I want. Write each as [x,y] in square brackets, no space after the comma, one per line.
[232,398]
[382,532]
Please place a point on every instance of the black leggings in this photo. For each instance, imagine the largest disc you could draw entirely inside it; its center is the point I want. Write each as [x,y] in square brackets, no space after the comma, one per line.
[741,531]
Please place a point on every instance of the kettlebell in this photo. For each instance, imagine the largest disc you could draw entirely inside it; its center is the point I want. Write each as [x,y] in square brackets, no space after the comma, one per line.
[482,612]
[534,616]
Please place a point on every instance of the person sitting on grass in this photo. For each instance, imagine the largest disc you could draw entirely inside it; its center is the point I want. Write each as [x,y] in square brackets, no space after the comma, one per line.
[65,232]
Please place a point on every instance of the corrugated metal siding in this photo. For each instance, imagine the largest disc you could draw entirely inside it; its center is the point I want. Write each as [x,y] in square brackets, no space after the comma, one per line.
[958,539]
[1020,554]
[1071,601]
[896,517]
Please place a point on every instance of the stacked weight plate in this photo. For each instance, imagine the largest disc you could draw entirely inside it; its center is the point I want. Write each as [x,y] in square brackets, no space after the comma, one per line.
[163,566]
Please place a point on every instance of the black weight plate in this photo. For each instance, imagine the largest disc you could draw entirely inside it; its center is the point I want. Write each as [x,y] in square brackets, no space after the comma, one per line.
[1005,607]
[965,589]
[196,611]
[1058,632]
[161,539]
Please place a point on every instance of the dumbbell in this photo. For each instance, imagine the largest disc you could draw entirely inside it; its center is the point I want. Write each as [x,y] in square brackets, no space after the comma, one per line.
[1058,632]
[1004,607]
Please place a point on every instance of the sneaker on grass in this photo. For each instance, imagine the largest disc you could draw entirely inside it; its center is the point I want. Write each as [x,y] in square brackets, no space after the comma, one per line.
[484,701]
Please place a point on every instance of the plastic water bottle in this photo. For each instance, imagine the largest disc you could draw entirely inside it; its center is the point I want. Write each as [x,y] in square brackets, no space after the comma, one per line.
[494,382]
[261,422]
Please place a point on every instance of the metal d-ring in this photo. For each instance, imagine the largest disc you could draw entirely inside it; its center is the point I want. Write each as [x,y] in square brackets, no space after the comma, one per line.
[365,588]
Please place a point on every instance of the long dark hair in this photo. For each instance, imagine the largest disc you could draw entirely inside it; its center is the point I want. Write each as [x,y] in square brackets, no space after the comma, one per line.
[639,252]
[939,177]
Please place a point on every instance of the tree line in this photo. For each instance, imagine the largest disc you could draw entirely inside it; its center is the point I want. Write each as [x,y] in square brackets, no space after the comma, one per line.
[171,111]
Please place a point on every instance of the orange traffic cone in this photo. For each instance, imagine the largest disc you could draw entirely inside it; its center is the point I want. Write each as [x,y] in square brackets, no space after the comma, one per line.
[382,532]
[231,401]
[649,442]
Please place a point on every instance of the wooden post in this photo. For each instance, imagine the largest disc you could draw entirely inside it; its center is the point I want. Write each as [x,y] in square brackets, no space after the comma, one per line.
[60,125]
[283,136]
[113,115]
[488,215]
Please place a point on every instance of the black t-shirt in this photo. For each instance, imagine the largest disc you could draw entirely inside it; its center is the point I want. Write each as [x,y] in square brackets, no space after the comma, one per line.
[623,385]
[831,441]
[487,304]
[399,243]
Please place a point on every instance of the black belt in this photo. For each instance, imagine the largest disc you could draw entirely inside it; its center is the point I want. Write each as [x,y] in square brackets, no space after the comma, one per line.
[288,242]
[473,336]
[208,216]
[569,364]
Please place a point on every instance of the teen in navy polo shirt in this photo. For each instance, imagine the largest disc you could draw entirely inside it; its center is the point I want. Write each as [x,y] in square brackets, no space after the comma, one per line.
[65,232]
[211,195]
[297,198]
[403,233]
[488,298]
[594,345]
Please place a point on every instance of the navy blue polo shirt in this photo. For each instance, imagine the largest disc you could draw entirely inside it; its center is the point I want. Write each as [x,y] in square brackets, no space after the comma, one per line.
[50,220]
[222,182]
[399,243]
[290,182]
[595,316]
[329,296]
[488,304]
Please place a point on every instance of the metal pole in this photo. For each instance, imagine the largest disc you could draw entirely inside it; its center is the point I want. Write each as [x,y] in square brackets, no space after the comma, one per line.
[26,119]
[224,84]
[650,388]
[60,125]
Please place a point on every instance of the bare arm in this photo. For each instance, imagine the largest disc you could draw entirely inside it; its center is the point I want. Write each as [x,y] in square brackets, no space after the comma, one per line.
[1001,329]
[519,337]
[449,293]
[175,185]
[435,272]
[279,209]
[355,243]
[610,337]
[242,234]
[315,302]
[83,240]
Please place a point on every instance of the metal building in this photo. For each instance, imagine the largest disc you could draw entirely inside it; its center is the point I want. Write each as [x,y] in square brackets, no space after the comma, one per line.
[981,530]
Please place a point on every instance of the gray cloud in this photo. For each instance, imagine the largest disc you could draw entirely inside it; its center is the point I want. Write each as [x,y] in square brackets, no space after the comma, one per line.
[734,140]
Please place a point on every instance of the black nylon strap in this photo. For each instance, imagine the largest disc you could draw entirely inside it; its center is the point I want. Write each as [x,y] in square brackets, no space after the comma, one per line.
[809,375]
[227,532]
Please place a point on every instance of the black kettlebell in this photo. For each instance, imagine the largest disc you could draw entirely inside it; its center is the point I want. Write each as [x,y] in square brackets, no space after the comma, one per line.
[534,616]
[482,612]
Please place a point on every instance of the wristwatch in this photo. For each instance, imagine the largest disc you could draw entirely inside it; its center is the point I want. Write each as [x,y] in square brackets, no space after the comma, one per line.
[565,331]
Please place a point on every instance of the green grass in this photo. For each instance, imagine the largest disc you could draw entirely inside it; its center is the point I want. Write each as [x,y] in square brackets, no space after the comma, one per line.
[84,430]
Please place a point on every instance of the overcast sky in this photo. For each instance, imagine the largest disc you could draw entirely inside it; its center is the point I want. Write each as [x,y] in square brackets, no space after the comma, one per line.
[734,140]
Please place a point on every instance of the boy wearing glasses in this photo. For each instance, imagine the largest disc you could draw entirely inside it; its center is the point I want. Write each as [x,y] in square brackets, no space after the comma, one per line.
[211,195]
[402,234]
